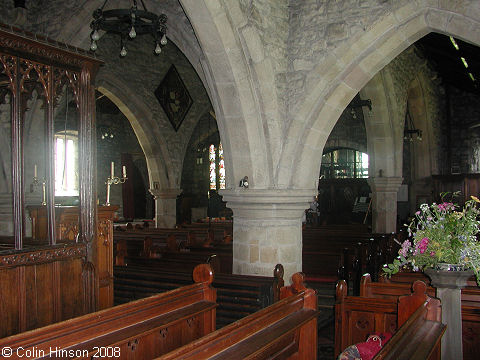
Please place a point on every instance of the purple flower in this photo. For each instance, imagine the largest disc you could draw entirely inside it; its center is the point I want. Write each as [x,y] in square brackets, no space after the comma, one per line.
[417,213]
[405,246]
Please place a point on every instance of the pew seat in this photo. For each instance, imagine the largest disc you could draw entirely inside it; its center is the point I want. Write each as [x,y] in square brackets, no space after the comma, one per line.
[284,330]
[237,295]
[357,317]
[142,329]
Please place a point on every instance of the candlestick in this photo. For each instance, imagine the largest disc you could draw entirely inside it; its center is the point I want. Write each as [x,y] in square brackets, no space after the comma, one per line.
[114,180]
[35,171]
[112,172]
[44,190]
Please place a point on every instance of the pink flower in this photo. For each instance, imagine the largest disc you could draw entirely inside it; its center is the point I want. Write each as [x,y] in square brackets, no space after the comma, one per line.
[432,253]
[422,245]
[446,206]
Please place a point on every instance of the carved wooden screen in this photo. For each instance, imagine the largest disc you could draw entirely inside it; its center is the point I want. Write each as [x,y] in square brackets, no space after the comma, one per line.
[36,76]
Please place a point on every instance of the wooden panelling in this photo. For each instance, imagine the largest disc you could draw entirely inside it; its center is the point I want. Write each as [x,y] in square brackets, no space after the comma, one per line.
[71,288]
[40,287]
[39,295]
[9,302]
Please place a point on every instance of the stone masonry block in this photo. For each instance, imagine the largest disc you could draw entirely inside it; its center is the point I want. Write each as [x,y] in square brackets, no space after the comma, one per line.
[288,254]
[254,253]
[254,44]
[268,254]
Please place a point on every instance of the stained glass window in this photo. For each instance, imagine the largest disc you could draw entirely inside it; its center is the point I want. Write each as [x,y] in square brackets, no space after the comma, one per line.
[213,175]
[221,167]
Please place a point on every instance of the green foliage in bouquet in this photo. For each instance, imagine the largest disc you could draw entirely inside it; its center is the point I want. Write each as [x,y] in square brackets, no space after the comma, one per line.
[441,233]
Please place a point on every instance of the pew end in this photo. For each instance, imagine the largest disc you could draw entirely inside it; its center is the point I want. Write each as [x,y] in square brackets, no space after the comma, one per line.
[142,329]
[386,307]
[284,330]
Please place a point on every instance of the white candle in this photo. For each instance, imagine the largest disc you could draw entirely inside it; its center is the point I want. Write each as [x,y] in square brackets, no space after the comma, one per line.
[35,171]
[112,170]
[124,171]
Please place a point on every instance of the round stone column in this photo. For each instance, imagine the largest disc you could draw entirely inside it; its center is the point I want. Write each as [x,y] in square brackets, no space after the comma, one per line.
[267,229]
[384,203]
[165,207]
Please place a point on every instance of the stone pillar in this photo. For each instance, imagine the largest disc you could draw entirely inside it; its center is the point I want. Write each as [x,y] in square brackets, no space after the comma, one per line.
[449,285]
[165,207]
[384,203]
[267,229]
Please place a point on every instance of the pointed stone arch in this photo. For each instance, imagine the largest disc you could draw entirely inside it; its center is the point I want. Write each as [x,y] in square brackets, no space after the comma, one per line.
[140,119]
[352,66]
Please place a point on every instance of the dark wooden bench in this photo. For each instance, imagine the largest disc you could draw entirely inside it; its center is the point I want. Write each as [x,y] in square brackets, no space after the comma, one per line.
[346,253]
[178,262]
[237,295]
[284,330]
[357,317]
[420,328]
[470,297]
[142,329]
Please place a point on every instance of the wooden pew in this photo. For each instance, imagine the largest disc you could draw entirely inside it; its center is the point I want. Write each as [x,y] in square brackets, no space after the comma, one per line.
[284,330]
[470,298]
[421,330]
[357,317]
[349,252]
[142,329]
[178,262]
[237,295]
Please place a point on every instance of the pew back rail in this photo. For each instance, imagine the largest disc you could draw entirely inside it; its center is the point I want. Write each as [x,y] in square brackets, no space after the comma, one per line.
[284,330]
[141,329]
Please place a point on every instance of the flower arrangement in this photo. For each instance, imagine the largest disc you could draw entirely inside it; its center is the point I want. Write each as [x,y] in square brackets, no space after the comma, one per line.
[440,233]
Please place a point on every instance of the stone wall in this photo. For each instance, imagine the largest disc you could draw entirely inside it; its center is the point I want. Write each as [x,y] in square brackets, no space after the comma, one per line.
[464,110]
[142,72]
[318,27]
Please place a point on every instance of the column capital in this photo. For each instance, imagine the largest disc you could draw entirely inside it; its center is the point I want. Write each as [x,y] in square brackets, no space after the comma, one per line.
[385,184]
[165,193]
[263,204]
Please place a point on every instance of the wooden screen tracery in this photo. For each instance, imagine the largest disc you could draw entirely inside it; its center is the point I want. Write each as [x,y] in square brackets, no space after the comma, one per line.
[53,276]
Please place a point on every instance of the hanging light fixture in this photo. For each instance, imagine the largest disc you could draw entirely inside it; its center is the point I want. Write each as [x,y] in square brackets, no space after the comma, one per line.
[128,23]
[410,132]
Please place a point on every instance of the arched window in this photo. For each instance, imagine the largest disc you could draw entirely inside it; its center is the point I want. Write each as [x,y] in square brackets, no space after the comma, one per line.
[215,168]
[221,167]
[344,163]
[213,174]
[66,163]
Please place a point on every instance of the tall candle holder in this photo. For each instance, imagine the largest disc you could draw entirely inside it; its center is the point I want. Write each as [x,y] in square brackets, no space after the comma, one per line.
[44,191]
[114,180]
[36,183]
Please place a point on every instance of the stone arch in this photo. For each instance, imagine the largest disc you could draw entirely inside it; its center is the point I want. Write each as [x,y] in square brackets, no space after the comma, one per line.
[362,56]
[234,64]
[157,162]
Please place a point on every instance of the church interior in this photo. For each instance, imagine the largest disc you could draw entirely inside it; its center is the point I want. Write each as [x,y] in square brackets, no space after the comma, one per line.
[284,143]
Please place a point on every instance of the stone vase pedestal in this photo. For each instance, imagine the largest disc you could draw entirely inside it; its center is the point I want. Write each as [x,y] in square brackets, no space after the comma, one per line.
[449,285]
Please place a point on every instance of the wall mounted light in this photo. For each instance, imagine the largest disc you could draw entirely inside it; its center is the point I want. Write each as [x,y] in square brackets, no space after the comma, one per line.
[244,182]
